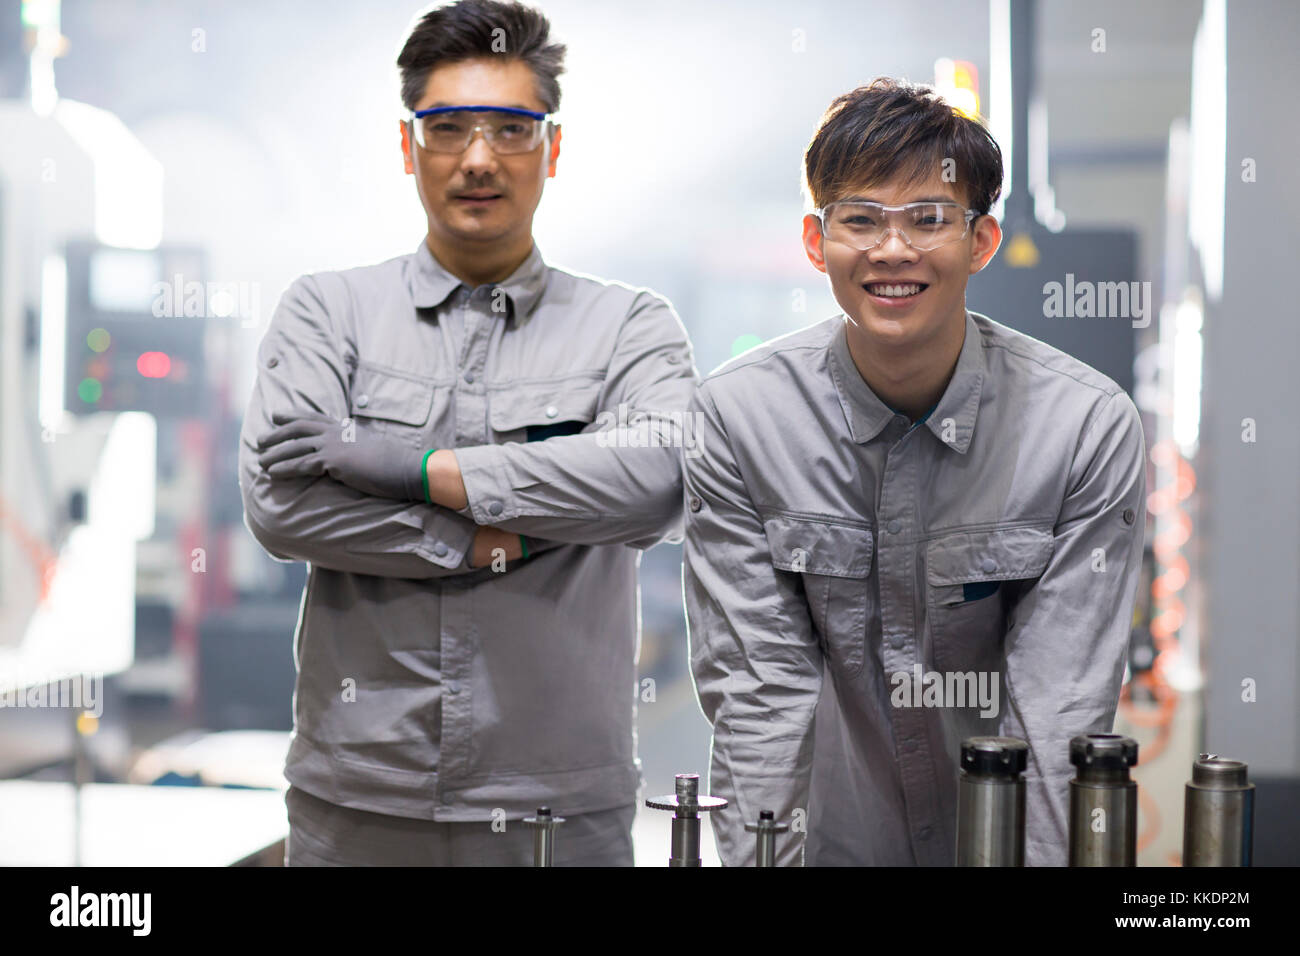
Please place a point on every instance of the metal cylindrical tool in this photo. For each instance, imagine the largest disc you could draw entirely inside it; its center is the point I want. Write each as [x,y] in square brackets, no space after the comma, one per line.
[991,802]
[543,825]
[767,828]
[1103,801]
[687,805]
[1218,814]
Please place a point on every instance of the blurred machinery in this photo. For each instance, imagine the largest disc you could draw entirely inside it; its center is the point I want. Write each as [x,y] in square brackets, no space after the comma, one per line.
[113,371]
[134,331]
[1073,288]
[76,485]
[118,497]
[1079,290]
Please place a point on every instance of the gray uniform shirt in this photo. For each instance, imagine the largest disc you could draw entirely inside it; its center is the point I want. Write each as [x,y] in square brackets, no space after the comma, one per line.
[834,548]
[426,688]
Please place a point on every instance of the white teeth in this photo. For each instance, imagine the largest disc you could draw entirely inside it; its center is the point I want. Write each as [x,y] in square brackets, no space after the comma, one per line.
[894,290]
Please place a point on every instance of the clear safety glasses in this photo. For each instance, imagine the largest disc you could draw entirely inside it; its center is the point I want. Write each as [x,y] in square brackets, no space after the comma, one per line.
[450,129]
[922,225]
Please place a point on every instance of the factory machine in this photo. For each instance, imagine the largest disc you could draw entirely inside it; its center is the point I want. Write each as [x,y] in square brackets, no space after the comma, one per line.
[80,215]
[1218,810]
[107,380]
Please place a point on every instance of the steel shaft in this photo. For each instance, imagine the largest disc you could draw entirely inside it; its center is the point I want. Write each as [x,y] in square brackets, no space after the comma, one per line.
[766,829]
[686,804]
[991,802]
[543,826]
[1218,814]
[1103,801]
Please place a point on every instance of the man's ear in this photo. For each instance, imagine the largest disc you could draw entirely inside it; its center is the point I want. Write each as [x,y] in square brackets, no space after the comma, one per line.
[988,238]
[406,148]
[813,242]
[555,153]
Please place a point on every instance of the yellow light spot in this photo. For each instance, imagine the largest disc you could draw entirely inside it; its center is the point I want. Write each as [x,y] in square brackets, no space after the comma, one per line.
[1021,252]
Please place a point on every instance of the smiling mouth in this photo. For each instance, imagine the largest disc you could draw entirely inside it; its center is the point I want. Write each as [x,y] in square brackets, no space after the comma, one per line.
[894,293]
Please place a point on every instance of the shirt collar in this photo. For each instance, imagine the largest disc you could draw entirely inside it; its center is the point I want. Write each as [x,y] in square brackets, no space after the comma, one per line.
[867,415]
[431,283]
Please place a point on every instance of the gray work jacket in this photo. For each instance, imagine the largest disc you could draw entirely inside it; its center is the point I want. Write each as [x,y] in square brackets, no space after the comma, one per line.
[836,555]
[426,688]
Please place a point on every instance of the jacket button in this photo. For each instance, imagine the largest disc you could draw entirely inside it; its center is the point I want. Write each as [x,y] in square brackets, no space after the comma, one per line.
[440,550]
[494,508]
[272,362]
[924,833]
[1129,515]
[894,527]
[696,503]
[469,377]
[453,687]
[988,565]
[896,640]
[363,401]
[551,411]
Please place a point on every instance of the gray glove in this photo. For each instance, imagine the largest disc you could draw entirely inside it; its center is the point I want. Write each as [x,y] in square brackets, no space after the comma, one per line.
[318,446]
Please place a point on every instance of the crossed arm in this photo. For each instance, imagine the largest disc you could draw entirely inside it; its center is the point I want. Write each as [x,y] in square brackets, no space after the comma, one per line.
[572,489]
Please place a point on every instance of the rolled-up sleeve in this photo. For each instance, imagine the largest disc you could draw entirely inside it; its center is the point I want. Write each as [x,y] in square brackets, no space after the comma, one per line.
[754,655]
[605,485]
[1065,651]
[302,372]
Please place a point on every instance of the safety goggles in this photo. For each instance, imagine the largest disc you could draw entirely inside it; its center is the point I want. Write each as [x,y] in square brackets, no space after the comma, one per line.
[507,129]
[922,225]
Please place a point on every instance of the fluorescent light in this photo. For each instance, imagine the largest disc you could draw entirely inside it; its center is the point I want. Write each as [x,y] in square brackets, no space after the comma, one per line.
[128,180]
[1188,317]
[1209,134]
[54,330]
[1000,106]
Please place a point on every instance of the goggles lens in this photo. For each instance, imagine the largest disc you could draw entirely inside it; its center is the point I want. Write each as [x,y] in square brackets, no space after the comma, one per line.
[922,225]
[452,131]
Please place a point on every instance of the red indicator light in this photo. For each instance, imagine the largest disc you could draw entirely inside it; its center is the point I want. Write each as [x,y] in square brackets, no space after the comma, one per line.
[154,364]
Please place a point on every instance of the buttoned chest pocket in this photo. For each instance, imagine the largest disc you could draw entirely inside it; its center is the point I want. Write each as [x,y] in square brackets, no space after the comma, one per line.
[395,404]
[834,560]
[967,576]
[544,408]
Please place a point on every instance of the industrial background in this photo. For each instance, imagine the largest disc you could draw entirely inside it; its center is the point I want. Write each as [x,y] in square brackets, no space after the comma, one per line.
[250,143]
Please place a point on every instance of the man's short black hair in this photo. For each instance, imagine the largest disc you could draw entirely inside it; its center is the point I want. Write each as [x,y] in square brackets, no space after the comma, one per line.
[473,29]
[892,128]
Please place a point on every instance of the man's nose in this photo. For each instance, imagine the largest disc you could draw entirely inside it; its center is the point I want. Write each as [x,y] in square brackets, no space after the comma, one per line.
[892,248]
[478,156]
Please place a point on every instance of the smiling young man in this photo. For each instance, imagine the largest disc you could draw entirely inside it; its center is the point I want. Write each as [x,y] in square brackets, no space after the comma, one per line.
[910,523]
[424,432]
